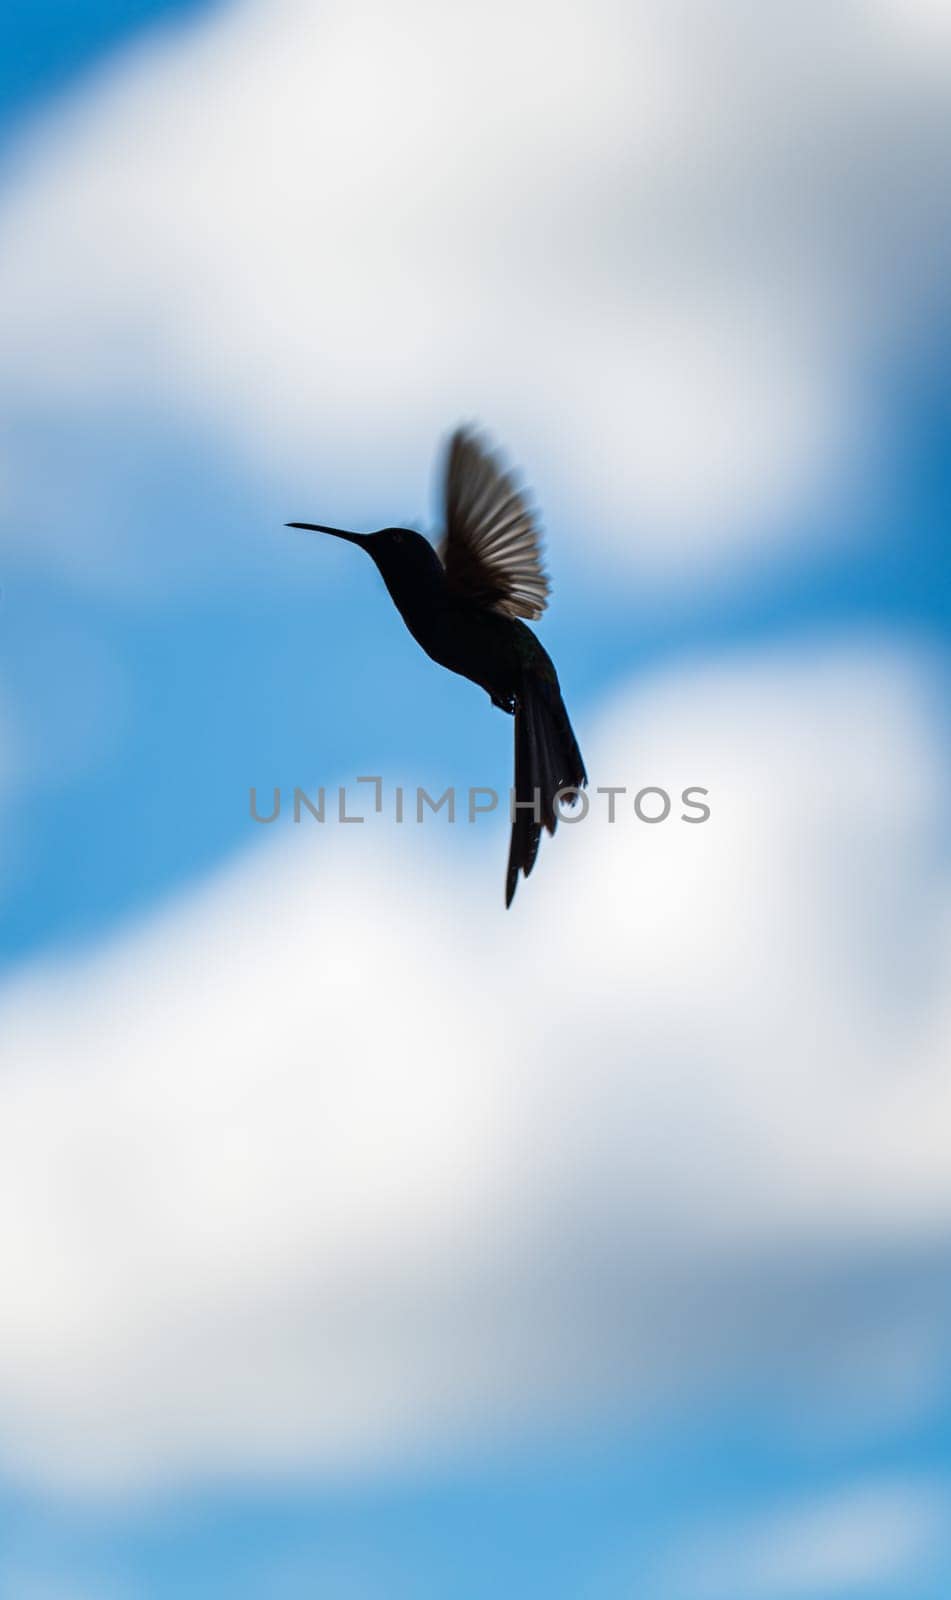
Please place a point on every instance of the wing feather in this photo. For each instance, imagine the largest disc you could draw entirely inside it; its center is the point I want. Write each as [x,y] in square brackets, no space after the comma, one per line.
[492,548]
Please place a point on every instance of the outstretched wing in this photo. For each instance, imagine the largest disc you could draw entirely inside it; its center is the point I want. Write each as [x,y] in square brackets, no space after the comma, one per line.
[491,551]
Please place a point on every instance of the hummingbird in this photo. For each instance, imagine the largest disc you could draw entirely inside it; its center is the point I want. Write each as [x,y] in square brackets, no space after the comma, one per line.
[464,602]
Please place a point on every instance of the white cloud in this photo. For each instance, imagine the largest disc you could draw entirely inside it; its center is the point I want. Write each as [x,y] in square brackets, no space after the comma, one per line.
[843,1543]
[678,239]
[334,1161]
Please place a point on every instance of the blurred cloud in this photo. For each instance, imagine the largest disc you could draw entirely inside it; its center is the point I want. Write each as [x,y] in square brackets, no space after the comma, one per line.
[330,1162]
[683,240]
[850,1542]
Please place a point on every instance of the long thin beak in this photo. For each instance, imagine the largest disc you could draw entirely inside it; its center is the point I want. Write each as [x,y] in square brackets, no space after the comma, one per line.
[338,533]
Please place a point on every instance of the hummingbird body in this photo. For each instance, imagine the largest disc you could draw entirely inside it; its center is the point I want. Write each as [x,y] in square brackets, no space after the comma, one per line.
[462,635]
[464,604]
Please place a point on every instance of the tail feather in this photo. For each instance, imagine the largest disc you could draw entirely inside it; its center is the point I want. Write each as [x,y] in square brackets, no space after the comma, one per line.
[547,759]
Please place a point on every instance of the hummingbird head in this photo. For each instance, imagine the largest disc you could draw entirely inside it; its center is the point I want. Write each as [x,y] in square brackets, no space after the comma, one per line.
[405,558]
[398,547]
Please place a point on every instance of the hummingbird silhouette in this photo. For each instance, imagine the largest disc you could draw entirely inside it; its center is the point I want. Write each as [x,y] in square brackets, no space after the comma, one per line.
[464,604]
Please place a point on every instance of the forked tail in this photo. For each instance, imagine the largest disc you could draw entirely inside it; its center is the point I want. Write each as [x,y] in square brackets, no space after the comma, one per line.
[547,759]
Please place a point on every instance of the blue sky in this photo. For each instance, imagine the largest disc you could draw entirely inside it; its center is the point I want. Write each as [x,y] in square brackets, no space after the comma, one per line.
[167,643]
[237,686]
[47,46]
